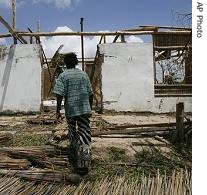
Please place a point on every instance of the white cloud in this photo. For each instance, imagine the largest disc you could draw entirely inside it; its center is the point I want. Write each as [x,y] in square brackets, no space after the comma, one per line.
[5,3]
[73,43]
[2,41]
[133,38]
[8,3]
[61,4]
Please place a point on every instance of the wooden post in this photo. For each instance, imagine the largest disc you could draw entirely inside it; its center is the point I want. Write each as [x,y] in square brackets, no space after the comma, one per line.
[82,44]
[123,39]
[179,121]
[14,18]
[38,30]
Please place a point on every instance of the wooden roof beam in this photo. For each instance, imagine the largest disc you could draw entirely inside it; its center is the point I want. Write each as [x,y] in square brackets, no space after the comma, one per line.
[84,33]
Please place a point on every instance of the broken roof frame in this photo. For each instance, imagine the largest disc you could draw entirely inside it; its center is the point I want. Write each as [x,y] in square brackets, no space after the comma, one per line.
[154,31]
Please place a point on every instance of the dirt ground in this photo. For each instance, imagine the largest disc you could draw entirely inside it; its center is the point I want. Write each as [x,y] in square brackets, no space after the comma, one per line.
[14,124]
[114,149]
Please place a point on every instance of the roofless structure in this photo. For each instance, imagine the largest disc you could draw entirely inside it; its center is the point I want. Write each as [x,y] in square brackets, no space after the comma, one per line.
[140,77]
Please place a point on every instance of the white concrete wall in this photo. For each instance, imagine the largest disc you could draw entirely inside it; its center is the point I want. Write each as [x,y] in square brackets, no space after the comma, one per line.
[128,80]
[20,78]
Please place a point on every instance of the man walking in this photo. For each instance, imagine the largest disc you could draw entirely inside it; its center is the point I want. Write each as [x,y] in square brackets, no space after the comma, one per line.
[74,86]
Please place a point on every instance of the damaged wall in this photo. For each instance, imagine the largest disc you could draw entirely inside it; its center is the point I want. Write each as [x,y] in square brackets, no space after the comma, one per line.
[128,80]
[20,78]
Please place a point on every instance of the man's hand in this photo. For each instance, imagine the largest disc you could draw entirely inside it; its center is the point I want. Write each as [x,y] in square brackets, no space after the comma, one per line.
[59,117]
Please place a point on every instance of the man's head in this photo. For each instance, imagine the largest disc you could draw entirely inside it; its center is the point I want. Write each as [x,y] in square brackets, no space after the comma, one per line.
[70,60]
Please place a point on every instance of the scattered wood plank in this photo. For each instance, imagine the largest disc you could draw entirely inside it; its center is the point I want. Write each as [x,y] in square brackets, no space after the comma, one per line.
[172,124]
[148,144]
[131,131]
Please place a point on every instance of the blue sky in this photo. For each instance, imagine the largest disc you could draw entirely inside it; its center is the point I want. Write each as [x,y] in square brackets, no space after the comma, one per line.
[110,15]
[98,15]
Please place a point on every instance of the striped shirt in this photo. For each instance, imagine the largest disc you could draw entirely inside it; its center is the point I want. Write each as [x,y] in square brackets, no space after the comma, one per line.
[74,85]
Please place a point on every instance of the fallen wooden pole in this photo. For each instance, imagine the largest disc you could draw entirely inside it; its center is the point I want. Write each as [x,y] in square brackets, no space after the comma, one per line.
[148,144]
[131,131]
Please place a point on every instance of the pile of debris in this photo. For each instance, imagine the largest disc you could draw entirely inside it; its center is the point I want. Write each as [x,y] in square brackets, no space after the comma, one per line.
[36,163]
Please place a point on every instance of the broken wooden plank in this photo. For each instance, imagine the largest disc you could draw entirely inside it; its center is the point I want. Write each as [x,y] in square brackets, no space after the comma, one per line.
[170,124]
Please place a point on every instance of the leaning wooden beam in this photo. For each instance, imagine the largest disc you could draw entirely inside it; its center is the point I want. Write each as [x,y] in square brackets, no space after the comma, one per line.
[14,34]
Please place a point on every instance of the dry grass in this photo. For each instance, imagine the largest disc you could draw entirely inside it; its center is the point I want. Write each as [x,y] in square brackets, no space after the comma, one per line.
[178,184]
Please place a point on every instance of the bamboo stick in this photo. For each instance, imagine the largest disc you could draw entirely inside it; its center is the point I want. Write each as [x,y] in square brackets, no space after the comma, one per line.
[176,184]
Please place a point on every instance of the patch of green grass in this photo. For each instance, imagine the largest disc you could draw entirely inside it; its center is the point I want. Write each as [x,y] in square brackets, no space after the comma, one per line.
[117,154]
[151,161]
[29,139]
[146,162]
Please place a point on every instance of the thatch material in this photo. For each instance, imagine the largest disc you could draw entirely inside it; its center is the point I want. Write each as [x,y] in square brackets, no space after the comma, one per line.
[21,158]
[5,137]
[9,163]
[42,175]
[178,184]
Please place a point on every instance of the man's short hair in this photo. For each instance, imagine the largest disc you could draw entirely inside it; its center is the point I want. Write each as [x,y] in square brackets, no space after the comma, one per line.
[70,60]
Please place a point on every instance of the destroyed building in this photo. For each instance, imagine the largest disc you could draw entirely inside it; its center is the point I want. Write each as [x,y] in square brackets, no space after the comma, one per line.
[135,77]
